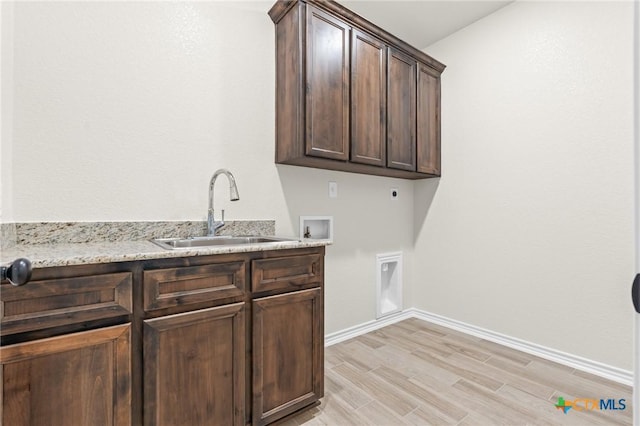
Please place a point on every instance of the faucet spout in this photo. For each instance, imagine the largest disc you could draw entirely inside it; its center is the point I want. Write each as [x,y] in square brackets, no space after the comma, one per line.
[212,224]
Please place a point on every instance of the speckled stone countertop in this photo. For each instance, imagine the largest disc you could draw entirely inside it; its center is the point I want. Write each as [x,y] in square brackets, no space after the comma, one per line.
[77,243]
[61,254]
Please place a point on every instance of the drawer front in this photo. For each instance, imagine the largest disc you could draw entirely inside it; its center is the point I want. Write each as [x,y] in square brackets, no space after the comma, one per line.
[287,273]
[166,288]
[58,302]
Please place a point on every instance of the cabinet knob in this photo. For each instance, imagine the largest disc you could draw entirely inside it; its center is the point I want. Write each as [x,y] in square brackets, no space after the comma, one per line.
[18,273]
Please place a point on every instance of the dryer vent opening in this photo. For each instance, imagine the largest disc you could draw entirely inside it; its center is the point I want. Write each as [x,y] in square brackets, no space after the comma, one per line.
[389,284]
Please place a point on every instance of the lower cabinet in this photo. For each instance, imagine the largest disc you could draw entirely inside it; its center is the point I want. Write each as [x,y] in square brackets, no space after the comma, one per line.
[76,379]
[225,340]
[287,353]
[194,367]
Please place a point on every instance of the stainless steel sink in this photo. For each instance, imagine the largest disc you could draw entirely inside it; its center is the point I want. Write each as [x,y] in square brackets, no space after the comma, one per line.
[200,242]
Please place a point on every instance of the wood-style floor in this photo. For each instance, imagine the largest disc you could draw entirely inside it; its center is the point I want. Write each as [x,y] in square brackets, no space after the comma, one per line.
[418,373]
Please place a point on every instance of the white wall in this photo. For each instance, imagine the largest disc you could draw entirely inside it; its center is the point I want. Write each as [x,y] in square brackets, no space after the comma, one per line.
[6,111]
[123,111]
[529,232]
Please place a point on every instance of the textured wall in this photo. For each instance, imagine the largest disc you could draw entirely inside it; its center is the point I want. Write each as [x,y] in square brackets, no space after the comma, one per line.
[529,232]
[6,111]
[123,111]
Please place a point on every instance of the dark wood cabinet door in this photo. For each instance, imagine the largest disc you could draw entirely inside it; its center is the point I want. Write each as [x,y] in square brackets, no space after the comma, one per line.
[368,99]
[76,379]
[194,366]
[287,354]
[327,72]
[401,111]
[428,121]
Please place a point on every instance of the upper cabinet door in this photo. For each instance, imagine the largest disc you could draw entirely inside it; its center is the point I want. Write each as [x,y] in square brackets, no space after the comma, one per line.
[368,99]
[327,72]
[401,112]
[428,121]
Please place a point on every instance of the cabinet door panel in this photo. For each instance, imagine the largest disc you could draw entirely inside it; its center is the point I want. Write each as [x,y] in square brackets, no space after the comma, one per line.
[76,379]
[428,121]
[287,354]
[368,99]
[401,111]
[327,68]
[194,367]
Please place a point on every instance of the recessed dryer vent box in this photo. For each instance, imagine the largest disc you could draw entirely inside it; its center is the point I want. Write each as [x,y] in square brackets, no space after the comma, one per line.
[389,283]
[316,227]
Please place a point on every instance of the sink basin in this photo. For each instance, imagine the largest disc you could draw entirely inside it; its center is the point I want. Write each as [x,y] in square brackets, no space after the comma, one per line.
[199,242]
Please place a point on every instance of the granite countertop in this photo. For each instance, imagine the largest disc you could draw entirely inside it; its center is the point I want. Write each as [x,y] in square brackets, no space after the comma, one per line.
[48,244]
[62,254]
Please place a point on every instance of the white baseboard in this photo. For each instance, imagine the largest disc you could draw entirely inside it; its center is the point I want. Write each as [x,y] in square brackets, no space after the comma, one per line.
[579,363]
[357,330]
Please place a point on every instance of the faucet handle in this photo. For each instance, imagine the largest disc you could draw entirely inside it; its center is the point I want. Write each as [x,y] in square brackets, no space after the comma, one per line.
[222,215]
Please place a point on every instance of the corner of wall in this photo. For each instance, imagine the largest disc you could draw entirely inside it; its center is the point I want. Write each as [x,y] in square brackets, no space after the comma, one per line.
[6,118]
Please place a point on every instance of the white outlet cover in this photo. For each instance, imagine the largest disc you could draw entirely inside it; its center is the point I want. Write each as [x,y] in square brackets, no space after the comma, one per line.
[333,189]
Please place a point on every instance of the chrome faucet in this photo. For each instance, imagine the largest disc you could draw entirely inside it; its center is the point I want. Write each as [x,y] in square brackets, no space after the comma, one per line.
[212,224]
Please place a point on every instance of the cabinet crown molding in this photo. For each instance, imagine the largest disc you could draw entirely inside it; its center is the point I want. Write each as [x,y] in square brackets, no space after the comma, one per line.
[281,7]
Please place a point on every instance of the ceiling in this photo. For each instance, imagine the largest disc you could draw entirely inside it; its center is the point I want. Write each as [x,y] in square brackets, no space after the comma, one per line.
[418,22]
[423,22]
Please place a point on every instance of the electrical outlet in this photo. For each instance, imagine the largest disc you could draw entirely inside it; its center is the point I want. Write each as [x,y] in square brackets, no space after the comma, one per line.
[333,189]
[395,194]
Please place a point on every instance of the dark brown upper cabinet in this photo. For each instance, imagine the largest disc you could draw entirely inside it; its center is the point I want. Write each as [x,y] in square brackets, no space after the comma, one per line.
[327,94]
[351,96]
[428,120]
[401,117]
[369,99]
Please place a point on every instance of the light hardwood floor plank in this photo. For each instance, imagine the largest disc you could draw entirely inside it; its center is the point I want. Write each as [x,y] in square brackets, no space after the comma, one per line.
[473,375]
[619,387]
[427,416]
[378,391]
[351,395]
[405,363]
[513,412]
[418,373]
[541,407]
[527,385]
[427,397]
[375,413]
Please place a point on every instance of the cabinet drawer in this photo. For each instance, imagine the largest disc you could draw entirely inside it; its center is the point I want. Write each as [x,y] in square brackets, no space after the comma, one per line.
[165,288]
[58,302]
[287,273]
